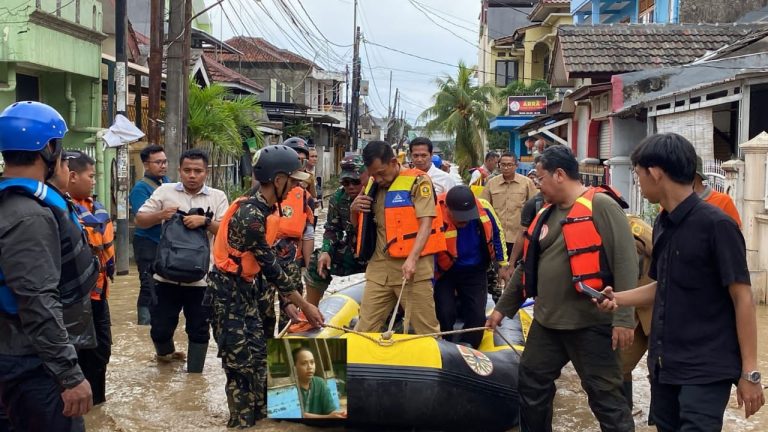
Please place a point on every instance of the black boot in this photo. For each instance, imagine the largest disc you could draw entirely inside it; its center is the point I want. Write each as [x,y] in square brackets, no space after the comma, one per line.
[144,316]
[196,357]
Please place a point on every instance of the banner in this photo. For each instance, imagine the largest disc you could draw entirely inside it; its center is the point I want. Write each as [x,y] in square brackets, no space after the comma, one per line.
[527,105]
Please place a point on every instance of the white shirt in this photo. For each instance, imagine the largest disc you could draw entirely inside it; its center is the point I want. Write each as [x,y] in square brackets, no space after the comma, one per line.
[441,180]
[174,195]
[455,175]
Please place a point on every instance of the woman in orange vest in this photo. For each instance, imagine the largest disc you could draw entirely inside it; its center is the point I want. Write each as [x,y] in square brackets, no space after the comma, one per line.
[460,271]
[100,232]
[246,269]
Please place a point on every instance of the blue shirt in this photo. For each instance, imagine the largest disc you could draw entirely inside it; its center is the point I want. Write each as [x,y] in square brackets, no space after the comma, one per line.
[139,194]
[469,245]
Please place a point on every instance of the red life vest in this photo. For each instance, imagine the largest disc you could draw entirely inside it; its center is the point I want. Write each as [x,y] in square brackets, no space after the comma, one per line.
[445,260]
[400,221]
[232,261]
[583,242]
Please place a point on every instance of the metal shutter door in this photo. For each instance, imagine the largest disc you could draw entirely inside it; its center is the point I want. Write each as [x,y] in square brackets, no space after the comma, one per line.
[604,141]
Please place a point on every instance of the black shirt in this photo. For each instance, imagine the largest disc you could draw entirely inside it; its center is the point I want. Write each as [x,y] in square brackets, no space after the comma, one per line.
[698,251]
[530,208]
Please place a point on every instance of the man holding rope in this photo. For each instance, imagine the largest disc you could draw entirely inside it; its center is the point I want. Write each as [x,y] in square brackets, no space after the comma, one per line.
[408,231]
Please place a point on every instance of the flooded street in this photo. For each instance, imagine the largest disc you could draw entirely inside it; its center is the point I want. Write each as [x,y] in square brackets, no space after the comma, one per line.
[145,396]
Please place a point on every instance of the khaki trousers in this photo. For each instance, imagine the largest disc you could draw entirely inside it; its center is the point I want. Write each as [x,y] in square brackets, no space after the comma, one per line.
[417,301]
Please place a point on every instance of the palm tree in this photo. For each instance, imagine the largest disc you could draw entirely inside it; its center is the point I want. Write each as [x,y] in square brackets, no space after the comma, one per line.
[463,110]
[298,129]
[217,120]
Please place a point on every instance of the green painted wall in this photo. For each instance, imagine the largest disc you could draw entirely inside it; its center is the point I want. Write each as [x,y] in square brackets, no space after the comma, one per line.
[35,44]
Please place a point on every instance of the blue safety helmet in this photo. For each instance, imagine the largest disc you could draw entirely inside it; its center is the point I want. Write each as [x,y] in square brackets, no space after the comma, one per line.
[437,161]
[30,126]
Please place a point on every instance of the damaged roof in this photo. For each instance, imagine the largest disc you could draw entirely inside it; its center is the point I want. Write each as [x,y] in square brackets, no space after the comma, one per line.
[608,49]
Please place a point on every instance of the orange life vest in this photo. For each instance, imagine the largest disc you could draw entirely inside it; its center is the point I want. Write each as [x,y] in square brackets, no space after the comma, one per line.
[400,222]
[296,214]
[582,241]
[444,260]
[232,261]
[101,236]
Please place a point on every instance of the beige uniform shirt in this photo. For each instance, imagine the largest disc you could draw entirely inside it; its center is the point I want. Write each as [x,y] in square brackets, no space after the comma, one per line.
[174,195]
[507,198]
[382,268]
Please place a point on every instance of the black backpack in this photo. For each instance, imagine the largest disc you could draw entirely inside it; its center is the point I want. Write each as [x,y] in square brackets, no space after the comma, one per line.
[184,254]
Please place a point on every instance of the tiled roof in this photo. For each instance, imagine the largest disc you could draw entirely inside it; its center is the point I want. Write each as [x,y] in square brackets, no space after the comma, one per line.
[258,50]
[593,49]
[219,73]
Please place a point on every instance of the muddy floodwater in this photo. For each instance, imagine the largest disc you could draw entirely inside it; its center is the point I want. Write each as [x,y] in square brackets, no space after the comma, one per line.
[145,396]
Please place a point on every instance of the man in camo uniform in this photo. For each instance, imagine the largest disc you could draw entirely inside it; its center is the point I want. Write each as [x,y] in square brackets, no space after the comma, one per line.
[246,270]
[337,256]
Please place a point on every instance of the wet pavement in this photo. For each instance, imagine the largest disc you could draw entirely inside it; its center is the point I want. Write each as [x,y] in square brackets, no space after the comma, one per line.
[145,396]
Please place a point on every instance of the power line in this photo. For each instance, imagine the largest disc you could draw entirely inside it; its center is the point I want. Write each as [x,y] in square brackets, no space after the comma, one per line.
[299,24]
[427,15]
[373,79]
[366,41]
[318,29]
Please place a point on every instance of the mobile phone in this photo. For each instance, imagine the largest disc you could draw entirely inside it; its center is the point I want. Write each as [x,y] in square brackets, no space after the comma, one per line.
[593,293]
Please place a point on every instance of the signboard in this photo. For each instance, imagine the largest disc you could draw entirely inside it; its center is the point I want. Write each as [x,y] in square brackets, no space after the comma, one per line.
[527,105]
[363,87]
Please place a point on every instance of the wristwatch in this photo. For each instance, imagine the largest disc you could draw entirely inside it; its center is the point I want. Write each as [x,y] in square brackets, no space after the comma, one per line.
[753,377]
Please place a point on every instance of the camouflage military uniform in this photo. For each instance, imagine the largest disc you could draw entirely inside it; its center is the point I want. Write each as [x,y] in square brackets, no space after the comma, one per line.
[237,319]
[339,240]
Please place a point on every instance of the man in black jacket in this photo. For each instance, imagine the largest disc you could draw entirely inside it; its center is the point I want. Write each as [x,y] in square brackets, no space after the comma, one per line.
[46,274]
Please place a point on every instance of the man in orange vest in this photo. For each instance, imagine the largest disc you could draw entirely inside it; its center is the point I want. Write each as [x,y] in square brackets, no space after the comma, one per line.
[297,210]
[100,232]
[471,226]
[711,196]
[408,230]
[247,269]
[580,239]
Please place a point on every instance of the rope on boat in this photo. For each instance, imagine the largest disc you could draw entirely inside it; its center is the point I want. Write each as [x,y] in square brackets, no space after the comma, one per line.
[382,341]
[387,335]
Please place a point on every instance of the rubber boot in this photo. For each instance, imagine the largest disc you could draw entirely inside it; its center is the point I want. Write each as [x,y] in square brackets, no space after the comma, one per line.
[626,390]
[196,357]
[144,315]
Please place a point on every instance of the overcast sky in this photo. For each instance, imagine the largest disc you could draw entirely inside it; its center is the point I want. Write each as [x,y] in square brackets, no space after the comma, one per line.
[398,24]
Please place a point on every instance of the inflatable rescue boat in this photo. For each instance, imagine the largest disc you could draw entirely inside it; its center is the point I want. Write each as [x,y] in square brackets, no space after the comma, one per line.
[423,382]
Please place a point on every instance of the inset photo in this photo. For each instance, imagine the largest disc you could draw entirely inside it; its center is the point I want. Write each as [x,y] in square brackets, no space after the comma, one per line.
[307,378]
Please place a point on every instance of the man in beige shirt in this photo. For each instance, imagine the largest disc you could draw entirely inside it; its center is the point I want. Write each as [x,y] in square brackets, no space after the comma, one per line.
[388,266]
[507,193]
[173,297]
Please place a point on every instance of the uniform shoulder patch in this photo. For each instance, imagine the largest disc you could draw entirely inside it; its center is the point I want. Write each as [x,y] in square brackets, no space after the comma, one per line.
[425,190]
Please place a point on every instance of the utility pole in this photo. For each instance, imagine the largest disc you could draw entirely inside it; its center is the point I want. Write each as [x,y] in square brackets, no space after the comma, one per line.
[123,247]
[185,67]
[355,109]
[176,85]
[389,98]
[157,18]
[347,108]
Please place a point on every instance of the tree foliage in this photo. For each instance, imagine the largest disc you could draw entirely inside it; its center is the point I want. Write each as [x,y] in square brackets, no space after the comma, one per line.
[219,123]
[461,109]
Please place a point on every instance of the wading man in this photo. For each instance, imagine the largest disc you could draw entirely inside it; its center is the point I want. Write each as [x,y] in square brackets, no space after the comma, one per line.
[581,239]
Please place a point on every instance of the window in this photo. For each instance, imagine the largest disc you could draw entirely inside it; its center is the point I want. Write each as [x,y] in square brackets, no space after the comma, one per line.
[506,72]
[646,11]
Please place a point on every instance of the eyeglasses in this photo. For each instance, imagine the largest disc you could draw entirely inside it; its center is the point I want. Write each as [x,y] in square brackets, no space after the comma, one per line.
[540,178]
[507,165]
[159,162]
[350,182]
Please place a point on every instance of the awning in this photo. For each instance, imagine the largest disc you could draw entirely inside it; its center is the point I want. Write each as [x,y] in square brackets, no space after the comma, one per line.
[544,125]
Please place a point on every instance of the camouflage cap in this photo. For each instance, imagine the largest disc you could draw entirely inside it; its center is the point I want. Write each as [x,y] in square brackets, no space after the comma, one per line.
[352,166]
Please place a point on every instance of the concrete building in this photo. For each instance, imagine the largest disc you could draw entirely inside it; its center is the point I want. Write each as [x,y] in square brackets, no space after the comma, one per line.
[499,63]
[661,11]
